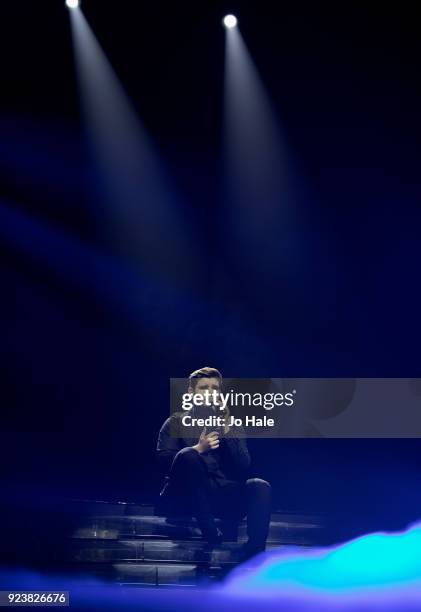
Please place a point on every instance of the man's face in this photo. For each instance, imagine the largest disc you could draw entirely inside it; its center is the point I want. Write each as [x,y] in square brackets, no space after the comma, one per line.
[206,384]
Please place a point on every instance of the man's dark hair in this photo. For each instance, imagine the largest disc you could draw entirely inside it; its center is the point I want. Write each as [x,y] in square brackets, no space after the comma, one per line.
[204,373]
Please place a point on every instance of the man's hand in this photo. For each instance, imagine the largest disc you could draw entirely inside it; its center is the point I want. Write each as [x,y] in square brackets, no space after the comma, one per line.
[207,441]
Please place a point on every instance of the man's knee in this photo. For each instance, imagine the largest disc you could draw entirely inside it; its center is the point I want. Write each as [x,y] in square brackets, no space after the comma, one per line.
[188,457]
[259,486]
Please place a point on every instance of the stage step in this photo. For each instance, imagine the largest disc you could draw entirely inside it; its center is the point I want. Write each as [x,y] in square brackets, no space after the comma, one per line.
[122,508]
[124,527]
[129,544]
[165,551]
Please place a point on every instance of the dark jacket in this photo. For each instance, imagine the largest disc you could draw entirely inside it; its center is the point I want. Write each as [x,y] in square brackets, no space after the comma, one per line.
[230,462]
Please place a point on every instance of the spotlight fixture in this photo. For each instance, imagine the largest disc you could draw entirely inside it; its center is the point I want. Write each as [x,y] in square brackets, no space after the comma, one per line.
[230,21]
[72,4]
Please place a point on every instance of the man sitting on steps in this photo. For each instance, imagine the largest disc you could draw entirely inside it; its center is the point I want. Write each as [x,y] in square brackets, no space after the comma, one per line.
[207,477]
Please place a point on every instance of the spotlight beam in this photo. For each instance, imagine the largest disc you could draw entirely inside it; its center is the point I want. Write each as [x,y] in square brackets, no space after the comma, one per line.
[257,185]
[144,222]
[253,140]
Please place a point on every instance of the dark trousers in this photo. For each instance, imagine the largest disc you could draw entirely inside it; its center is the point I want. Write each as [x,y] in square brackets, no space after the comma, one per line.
[192,491]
